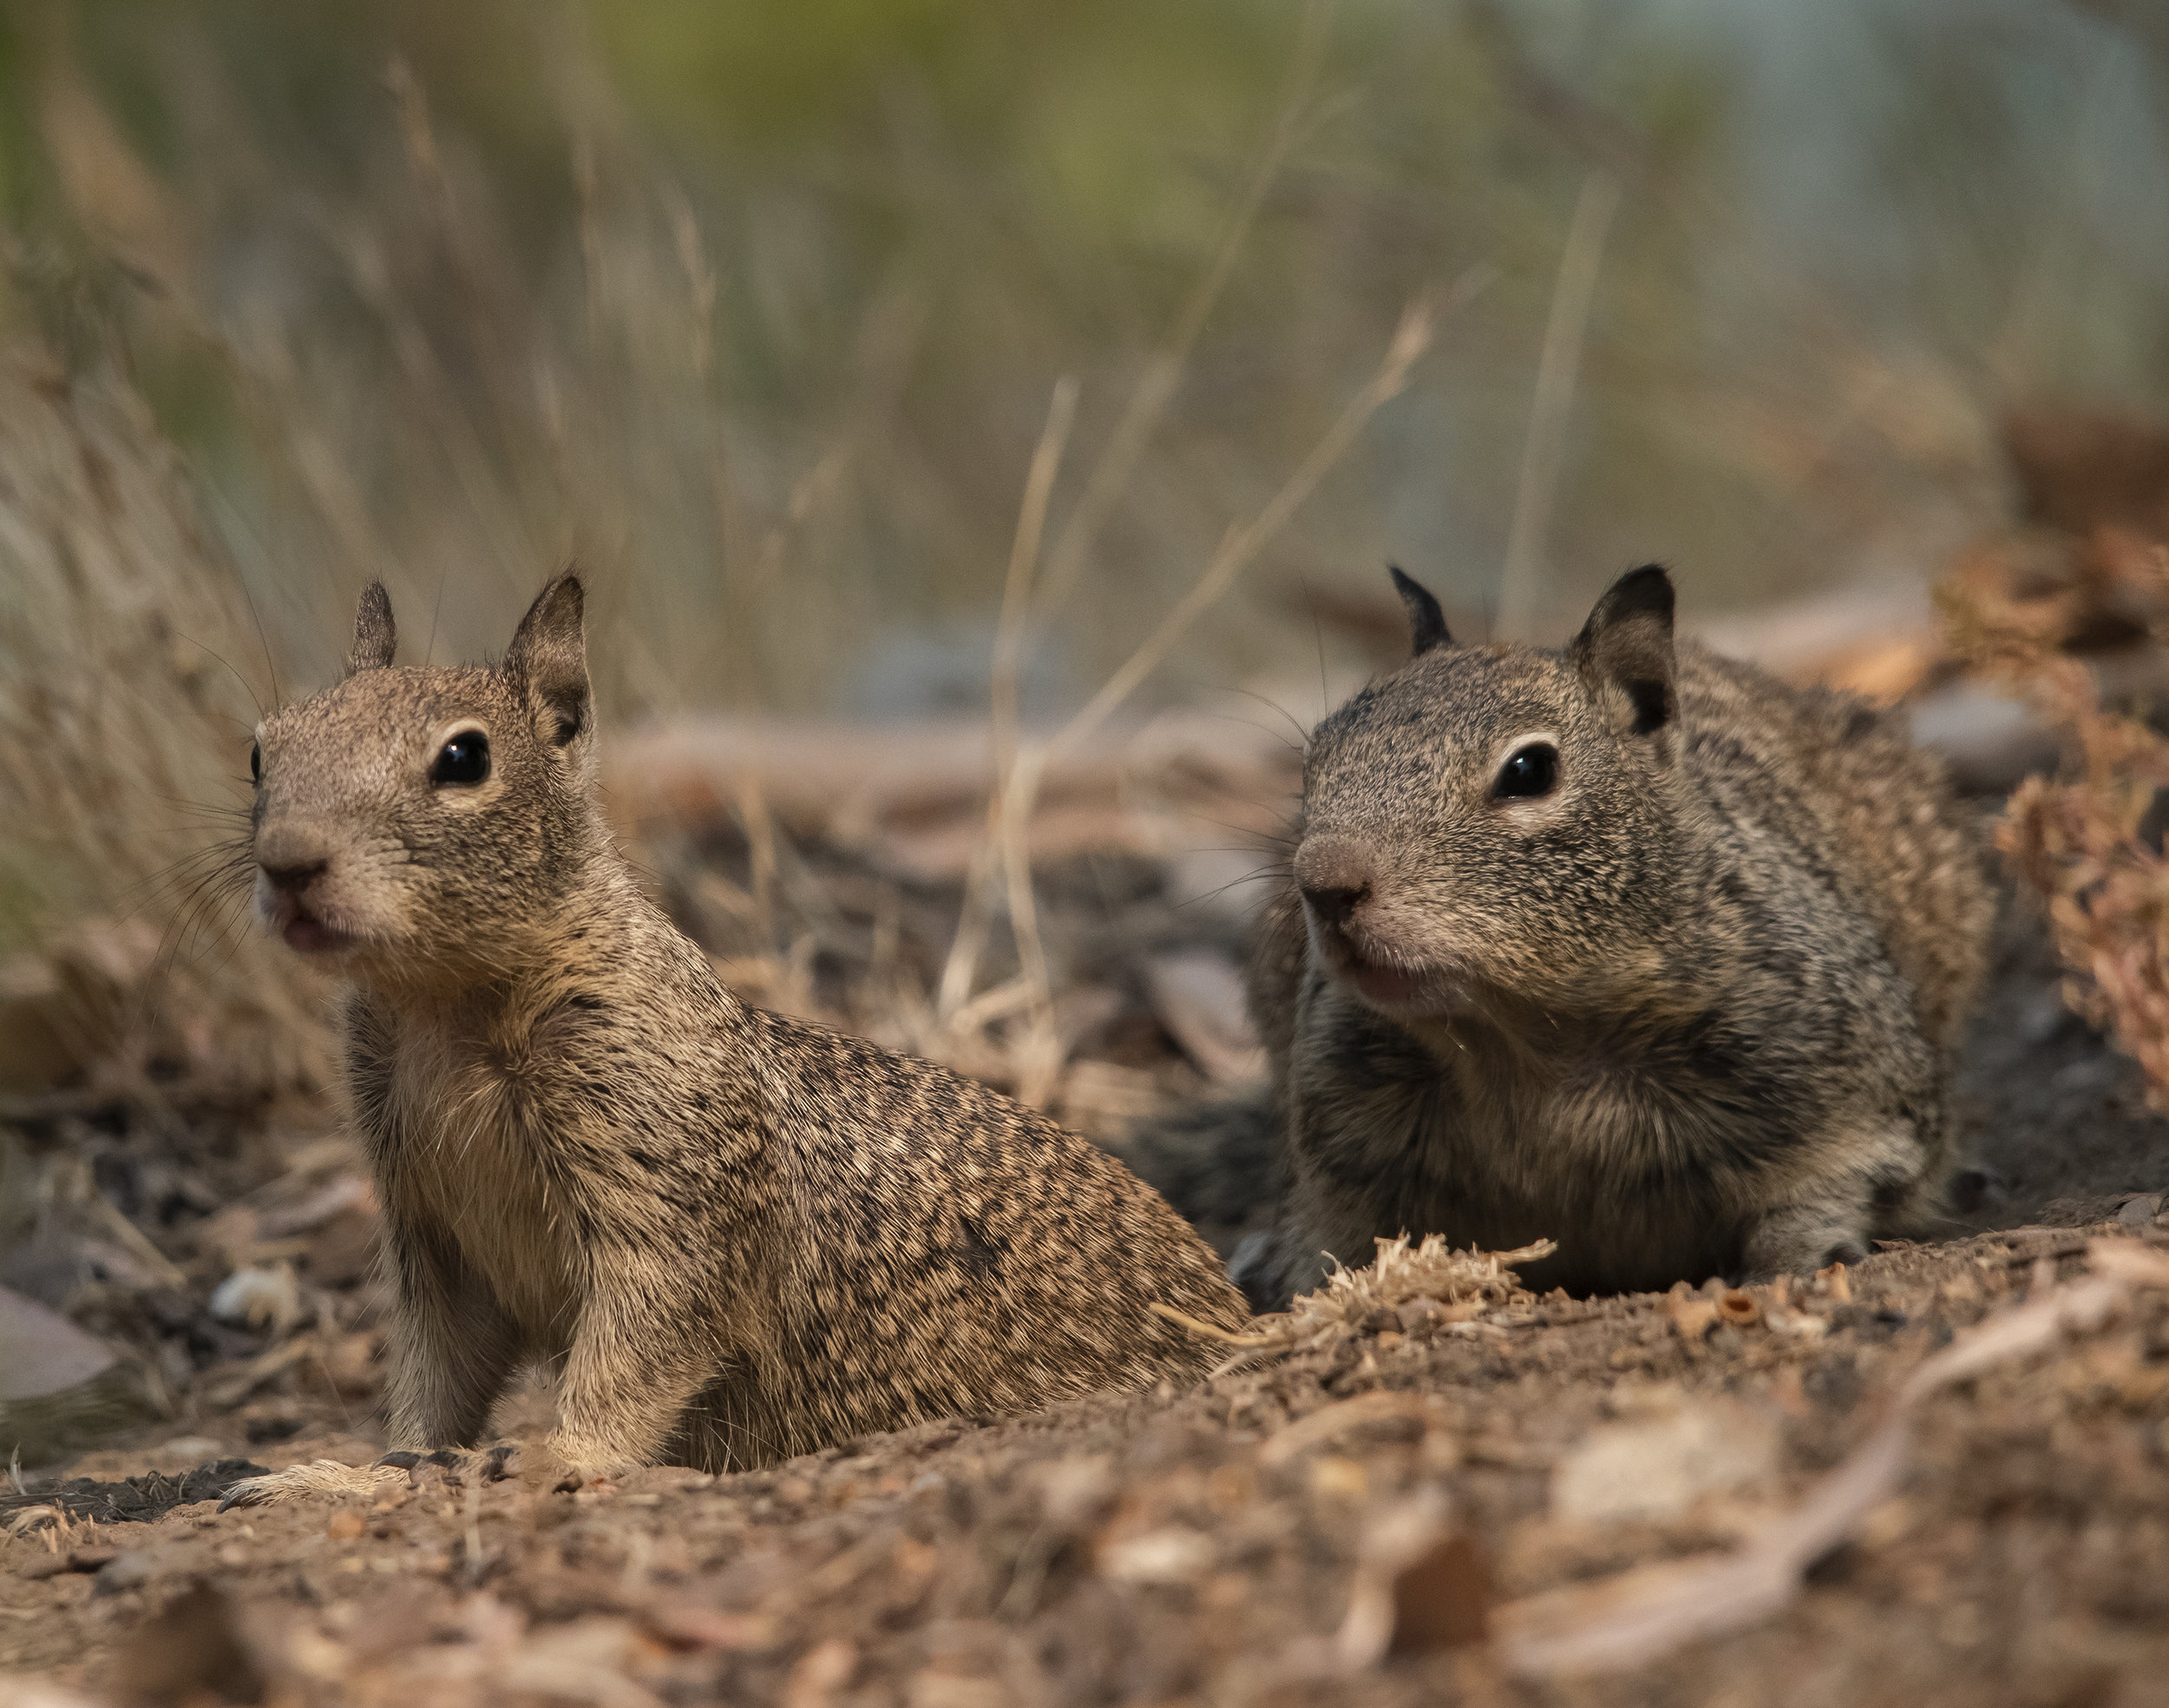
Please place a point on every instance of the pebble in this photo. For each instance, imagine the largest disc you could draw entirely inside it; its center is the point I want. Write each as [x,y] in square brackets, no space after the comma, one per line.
[127,1571]
[2141,1212]
[194,1449]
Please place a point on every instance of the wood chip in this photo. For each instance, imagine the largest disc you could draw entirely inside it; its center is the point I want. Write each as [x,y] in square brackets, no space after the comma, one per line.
[1322,1425]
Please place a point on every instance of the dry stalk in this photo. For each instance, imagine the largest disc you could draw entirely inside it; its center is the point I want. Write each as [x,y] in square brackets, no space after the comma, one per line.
[1148,403]
[1559,365]
[1010,812]
[1238,548]
[2080,841]
[1004,834]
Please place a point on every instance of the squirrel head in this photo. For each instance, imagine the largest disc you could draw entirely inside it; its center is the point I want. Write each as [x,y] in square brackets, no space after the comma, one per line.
[411,822]
[1494,827]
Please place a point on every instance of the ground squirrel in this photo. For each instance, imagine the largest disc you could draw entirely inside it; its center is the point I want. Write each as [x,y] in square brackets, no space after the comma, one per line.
[735,1236]
[1627,945]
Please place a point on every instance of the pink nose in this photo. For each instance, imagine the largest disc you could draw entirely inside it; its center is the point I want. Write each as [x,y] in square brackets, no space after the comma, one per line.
[291,856]
[1335,874]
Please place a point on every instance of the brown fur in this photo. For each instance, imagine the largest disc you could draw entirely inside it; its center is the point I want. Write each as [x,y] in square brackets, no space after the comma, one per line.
[1689,1012]
[735,1236]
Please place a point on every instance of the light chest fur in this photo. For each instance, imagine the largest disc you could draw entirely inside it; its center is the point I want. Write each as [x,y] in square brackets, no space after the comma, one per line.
[465,1149]
[1612,1145]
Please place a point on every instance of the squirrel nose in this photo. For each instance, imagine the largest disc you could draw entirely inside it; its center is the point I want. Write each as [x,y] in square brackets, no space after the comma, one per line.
[1334,875]
[293,878]
[291,859]
[1334,905]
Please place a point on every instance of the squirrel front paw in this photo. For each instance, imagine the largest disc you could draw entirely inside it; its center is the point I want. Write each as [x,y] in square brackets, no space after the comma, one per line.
[1800,1242]
[412,1469]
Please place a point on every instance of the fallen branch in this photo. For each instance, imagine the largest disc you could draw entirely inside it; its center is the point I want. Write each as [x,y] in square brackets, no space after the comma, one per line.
[1645,1613]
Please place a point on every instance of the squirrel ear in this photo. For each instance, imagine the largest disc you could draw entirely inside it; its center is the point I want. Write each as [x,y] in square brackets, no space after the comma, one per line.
[548,658]
[1425,617]
[375,638]
[1624,650]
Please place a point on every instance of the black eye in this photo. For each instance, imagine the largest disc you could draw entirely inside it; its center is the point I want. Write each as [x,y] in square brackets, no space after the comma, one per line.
[1528,771]
[256,761]
[464,759]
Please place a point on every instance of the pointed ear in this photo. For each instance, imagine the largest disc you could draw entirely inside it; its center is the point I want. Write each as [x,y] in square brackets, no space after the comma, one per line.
[548,659]
[375,638]
[1624,651]
[1424,617]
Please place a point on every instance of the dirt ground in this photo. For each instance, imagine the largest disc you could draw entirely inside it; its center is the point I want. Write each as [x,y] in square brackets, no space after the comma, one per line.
[1425,1509]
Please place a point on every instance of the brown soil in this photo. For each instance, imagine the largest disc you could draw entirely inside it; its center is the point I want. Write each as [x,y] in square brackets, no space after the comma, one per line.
[1215,1544]
[1168,1548]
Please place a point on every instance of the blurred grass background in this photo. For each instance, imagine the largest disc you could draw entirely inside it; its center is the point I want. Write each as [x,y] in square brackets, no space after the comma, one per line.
[756,311]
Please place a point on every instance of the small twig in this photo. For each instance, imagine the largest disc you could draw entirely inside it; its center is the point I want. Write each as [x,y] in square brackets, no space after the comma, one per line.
[1376,1406]
[1148,403]
[1209,1331]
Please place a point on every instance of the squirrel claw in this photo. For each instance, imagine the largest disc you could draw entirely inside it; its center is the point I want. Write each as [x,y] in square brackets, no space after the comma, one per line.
[452,1467]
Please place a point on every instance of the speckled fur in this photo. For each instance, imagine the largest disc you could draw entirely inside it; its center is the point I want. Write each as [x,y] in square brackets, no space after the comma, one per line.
[736,1236]
[1691,1013]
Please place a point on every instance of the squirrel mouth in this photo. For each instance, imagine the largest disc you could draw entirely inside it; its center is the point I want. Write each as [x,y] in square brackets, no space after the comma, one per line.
[305,932]
[1388,986]
[1379,983]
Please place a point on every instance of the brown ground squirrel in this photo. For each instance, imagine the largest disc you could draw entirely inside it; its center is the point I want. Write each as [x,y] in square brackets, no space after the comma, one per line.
[1627,945]
[735,1236]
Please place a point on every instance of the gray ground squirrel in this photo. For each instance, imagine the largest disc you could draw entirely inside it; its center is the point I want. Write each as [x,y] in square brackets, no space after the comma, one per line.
[1627,945]
[736,1236]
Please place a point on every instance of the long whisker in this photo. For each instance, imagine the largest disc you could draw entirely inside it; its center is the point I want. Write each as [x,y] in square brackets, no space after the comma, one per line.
[247,686]
[277,699]
[1301,744]
[1261,874]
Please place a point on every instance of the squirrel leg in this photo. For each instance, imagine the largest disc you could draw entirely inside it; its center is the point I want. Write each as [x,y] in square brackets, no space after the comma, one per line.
[1800,1239]
[451,1352]
[629,1377]
[1831,1218]
[1322,1224]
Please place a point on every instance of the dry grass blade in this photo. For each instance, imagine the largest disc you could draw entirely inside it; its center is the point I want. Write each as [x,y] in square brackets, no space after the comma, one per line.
[124,720]
[1006,835]
[1242,545]
[1011,812]
[1148,403]
[1559,365]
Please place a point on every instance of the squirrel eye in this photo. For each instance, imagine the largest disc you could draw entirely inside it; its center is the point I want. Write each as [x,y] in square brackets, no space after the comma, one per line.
[463,760]
[1529,771]
[256,761]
